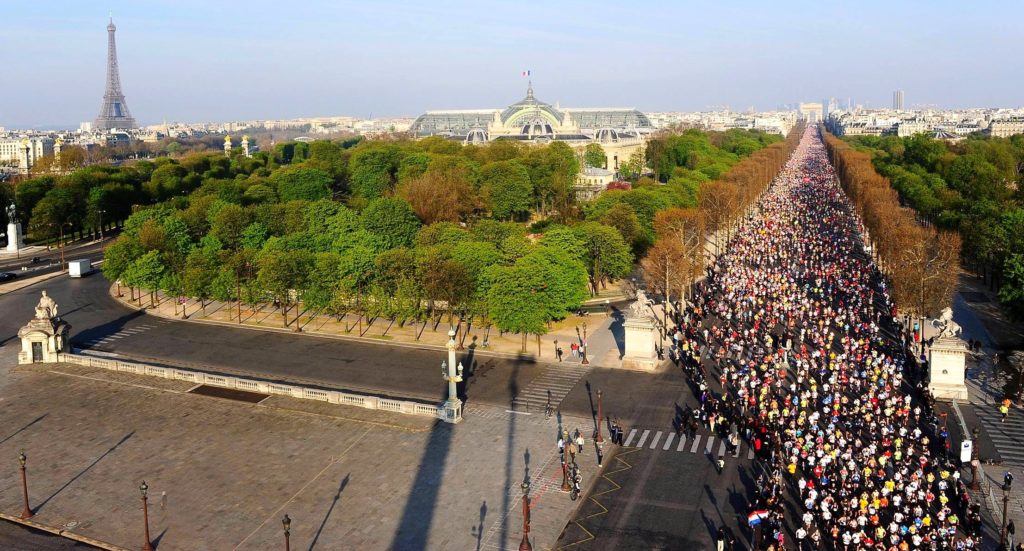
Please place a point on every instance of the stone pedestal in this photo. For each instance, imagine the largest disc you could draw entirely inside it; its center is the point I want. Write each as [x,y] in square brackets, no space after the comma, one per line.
[14,238]
[641,344]
[946,365]
[46,336]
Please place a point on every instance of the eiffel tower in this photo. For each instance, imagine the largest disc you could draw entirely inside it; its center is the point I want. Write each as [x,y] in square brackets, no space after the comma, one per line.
[114,112]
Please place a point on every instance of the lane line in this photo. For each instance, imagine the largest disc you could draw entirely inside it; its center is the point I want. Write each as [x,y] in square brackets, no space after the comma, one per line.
[711,442]
[654,443]
[643,438]
[721,448]
[696,444]
[629,439]
[668,441]
[682,443]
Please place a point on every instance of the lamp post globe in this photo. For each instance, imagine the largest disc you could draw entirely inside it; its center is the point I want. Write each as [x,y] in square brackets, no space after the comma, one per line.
[26,512]
[286,523]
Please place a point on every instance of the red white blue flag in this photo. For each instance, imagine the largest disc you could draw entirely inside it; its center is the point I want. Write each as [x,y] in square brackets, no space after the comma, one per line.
[526,73]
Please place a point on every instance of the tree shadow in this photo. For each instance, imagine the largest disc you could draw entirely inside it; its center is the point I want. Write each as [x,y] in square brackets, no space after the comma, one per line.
[618,330]
[19,431]
[108,328]
[85,470]
[334,502]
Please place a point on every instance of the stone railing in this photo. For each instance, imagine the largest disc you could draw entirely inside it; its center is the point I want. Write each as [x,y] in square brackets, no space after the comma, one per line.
[302,392]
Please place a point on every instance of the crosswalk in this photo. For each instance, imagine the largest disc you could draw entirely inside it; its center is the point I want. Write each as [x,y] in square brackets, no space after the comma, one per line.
[554,382]
[1008,436]
[701,443]
[113,338]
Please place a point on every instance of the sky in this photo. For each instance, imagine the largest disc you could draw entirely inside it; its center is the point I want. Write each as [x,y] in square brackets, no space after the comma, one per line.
[192,61]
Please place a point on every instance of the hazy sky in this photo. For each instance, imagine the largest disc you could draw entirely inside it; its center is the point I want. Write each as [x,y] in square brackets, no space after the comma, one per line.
[191,60]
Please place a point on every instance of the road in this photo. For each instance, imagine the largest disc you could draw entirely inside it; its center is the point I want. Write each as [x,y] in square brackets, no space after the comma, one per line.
[15,536]
[49,261]
[102,325]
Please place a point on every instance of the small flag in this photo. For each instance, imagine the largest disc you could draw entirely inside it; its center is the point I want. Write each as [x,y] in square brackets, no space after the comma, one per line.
[526,73]
[755,517]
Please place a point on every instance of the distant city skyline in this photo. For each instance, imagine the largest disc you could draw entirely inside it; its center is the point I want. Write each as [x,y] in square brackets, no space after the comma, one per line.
[193,61]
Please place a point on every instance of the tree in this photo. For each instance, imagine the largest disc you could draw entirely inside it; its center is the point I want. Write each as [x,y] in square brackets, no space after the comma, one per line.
[201,269]
[595,156]
[146,272]
[299,182]
[392,220]
[282,273]
[119,256]
[516,300]
[622,217]
[437,199]
[633,167]
[667,268]
[1011,294]
[373,170]
[718,201]
[607,254]
[229,224]
[506,185]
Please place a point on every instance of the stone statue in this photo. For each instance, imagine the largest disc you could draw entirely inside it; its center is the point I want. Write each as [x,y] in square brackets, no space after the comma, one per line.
[949,328]
[47,308]
[641,306]
[12,213]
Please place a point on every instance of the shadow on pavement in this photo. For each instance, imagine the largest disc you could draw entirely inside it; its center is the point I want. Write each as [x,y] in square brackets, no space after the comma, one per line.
[19,431]
[337,496]
[618,331]
[100,331]
[85,470]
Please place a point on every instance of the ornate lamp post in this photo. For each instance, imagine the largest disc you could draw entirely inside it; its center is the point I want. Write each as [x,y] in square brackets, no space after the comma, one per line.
[600,419]
[525,544]
[585,360]
[286,522]
[144,489]
[1006,504]
[26,513]
[451,371]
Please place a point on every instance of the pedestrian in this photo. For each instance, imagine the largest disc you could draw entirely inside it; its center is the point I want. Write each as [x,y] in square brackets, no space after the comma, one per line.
[558,352]
[579,441]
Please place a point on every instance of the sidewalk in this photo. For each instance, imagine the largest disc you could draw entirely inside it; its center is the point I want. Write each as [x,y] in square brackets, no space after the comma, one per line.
[603,333]
[1001,444]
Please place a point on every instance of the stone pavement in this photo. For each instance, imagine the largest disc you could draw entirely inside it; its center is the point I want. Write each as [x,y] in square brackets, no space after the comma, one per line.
[223,473]
[604,334]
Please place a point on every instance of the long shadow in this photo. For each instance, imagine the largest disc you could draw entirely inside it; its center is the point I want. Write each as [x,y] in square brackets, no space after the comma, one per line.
[414,527]
[469,366]
[337,496]
[513,391]
[618,330]
[19,431]
[100,331]
[158,538]
[85,470]
[478,530]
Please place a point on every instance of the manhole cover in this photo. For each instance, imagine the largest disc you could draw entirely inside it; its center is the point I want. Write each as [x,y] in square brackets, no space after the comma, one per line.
[70,524]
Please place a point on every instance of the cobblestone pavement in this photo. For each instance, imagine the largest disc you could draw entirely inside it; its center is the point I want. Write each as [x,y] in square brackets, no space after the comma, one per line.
[222,474]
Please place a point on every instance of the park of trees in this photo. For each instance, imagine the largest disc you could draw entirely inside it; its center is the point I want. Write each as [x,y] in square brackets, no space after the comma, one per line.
[975,188]
[921,261]
[405,230]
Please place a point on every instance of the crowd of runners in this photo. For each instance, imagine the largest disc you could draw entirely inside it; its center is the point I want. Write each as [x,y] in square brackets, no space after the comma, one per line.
[791,346]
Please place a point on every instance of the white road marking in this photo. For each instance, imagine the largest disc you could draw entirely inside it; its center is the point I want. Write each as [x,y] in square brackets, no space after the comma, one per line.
[654,443]
[668,441]
[629,439]
[643,438]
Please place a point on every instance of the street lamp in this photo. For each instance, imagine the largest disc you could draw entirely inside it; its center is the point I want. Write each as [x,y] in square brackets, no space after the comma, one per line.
[585,360]
[101,211]
[975,483]
[600,419]
[144,489]
[287,523]
[525,544]
[607,307]
[451,371]
[26,513]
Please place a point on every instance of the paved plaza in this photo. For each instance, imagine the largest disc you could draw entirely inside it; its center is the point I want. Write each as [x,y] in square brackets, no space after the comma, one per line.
[223,473]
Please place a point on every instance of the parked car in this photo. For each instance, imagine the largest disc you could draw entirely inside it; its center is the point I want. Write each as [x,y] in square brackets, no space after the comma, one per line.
[7,276]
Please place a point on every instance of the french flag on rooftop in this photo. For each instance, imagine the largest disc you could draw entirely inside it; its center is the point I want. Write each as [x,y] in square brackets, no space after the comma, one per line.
[755,517]
[526,73]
